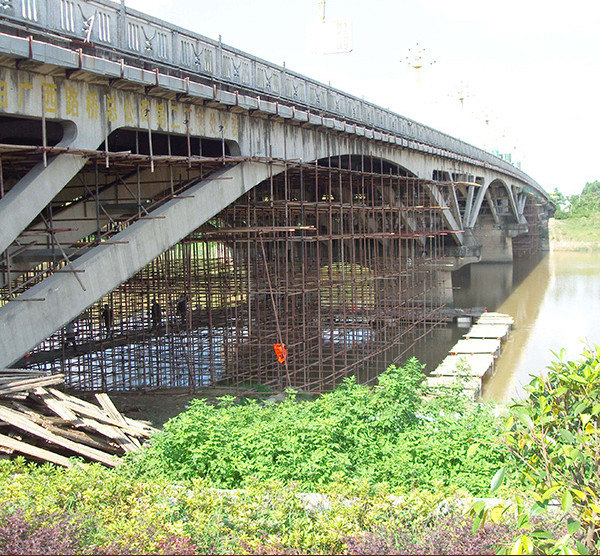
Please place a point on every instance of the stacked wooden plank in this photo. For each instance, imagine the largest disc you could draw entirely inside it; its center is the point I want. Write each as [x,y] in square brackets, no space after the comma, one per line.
[38,421]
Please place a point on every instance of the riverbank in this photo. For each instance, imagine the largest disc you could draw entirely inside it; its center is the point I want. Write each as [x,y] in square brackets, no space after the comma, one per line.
[575,234]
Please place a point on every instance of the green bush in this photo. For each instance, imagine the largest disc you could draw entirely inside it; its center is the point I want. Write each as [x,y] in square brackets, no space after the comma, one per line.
[115,513]
[386,433]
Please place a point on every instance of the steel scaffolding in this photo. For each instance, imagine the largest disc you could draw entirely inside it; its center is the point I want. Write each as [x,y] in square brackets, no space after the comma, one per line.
[325,270]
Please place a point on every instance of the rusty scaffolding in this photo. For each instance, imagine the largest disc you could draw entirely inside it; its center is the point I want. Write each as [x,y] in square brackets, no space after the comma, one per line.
[325,270]
[536,239]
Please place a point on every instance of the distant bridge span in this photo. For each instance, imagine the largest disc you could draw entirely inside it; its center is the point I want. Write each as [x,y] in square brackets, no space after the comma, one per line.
[103,86]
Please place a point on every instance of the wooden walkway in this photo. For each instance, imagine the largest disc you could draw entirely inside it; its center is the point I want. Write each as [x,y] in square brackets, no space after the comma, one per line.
[472,358]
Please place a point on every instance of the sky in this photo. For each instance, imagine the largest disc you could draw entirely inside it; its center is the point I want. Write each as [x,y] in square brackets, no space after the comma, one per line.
[528,72]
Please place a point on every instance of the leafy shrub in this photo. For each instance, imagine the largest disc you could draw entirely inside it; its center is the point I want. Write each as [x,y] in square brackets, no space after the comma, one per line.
[39,534]
[382,434]
[155,542]
[554,436]
[448,535]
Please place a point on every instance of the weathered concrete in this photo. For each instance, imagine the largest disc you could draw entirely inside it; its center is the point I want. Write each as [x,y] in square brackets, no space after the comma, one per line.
[496,246]
[24,325]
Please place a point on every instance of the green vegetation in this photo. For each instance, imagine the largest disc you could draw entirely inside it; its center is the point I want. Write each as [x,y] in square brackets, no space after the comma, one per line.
[360,470]
[554,437]
[385,434]
[576,224]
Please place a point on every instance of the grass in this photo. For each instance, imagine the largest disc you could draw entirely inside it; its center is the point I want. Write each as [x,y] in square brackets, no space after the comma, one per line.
[575,234]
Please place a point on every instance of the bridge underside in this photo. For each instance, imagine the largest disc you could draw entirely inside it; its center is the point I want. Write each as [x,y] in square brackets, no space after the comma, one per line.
[337,260]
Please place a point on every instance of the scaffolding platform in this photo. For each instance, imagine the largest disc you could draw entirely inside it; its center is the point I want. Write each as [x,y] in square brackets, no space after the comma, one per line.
[326,270]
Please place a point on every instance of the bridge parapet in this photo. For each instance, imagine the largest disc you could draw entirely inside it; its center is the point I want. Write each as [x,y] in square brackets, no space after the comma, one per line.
[115,32]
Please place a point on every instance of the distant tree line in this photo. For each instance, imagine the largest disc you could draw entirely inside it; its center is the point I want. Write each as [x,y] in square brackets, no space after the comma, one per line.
[586,204]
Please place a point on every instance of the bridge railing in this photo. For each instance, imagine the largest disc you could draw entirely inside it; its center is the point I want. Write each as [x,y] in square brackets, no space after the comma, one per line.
[123,32]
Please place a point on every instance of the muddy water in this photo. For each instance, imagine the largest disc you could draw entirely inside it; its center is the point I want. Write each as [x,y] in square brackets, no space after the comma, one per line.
[556,306]
[555,301]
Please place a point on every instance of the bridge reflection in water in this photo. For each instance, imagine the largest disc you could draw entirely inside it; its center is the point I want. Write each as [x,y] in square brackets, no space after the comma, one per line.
[556,305]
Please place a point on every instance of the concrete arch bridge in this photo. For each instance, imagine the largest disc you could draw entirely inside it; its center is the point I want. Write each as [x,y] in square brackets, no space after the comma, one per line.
[187,218]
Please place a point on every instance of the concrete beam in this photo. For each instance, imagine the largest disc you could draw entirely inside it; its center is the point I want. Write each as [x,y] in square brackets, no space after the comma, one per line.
[469,205]
[24,325]
[492,206]
[481,193]
[438,197]
[28,197]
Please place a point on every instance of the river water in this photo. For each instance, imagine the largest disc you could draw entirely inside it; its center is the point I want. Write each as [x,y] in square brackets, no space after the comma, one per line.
[555,302]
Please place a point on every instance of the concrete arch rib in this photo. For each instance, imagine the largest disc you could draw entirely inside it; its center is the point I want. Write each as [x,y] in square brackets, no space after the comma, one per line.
[483,193]
[24,325]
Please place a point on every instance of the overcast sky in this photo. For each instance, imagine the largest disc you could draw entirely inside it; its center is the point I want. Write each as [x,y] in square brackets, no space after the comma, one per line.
[529,71]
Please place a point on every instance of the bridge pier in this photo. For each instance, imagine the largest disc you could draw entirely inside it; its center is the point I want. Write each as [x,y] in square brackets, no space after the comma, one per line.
[496,244]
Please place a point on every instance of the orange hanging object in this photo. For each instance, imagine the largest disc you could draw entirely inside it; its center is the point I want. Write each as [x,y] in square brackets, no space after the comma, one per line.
[281,352]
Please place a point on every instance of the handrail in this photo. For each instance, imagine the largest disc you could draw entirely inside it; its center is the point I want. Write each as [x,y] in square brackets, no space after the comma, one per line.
[119,31]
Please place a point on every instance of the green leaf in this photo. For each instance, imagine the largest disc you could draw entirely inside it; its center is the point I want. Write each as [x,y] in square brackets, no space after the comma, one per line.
[551,491]
[497,479]
[581,548]
[472,449]
[538,509]
[566,435]
[477,508]
[573,526]
[566,501]
[541,534]
[523,415]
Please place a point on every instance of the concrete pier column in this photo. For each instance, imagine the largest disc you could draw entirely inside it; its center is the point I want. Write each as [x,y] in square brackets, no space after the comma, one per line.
[496,246]
[444,294]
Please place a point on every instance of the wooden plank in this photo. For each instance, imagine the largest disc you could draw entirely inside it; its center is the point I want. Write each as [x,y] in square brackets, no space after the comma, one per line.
[110,408]
[84,438]
[10,371]
[142,425]
[29,384]
[73,399]
[40,453]
[42,420]
[114,434]
[98,415]
[22,421]
[55,405]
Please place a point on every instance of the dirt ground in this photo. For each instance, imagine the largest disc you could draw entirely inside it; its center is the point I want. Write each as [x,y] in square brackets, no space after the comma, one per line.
[159,407]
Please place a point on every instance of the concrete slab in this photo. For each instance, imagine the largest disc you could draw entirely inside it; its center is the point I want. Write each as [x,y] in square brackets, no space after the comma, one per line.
[476,365]
[472,387]
[495,318]
[488,346]
[493,331]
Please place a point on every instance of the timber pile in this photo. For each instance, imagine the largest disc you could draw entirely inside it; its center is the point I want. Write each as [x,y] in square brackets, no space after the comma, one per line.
[43,423]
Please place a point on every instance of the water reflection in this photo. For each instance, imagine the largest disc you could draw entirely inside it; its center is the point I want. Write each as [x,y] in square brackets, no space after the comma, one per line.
[555,306]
